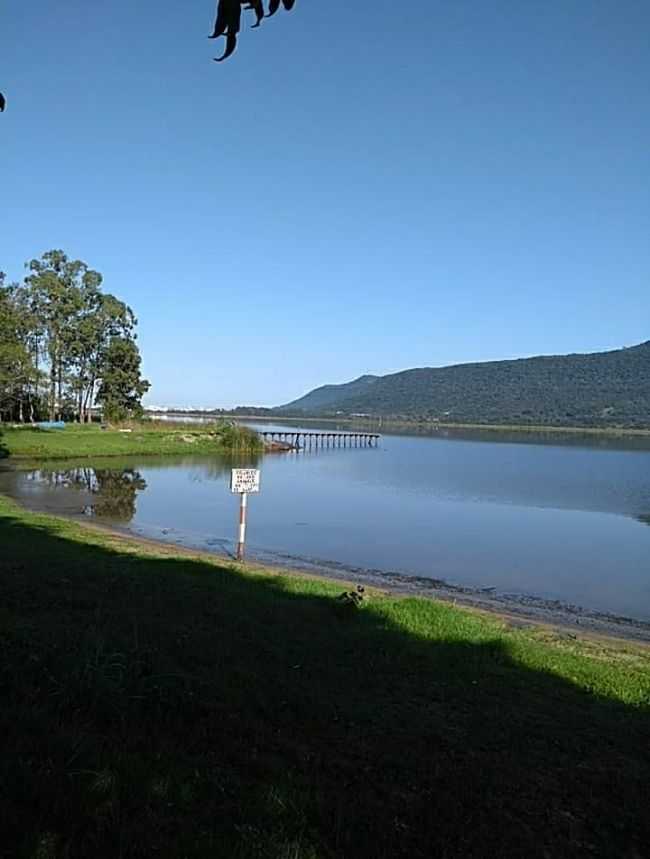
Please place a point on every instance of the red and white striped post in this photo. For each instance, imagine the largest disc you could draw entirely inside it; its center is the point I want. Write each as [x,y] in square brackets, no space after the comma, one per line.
[243,481]
[241,543]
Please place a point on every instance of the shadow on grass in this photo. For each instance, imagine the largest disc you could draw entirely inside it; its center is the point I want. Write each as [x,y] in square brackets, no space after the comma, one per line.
[4,450]
[169,707]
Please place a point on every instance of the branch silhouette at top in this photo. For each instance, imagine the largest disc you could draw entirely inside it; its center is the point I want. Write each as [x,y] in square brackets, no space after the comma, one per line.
[228,21]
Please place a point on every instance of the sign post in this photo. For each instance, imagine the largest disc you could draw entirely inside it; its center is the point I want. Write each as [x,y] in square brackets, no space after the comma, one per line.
[242,482]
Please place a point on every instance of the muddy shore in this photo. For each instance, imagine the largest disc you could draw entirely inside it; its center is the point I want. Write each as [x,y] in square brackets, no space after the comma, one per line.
[514,609]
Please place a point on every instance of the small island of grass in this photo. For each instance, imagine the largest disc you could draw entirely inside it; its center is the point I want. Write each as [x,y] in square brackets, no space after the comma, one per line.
[140,438]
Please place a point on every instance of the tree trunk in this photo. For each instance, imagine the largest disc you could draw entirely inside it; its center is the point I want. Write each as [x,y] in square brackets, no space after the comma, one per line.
[34,388]
[52,403]
[59,397]
[88,405]
[81,394]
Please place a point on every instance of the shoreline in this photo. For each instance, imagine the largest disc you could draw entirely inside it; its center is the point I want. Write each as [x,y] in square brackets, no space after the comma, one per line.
[428,427]
[515,610]
[48,457]
[159,678]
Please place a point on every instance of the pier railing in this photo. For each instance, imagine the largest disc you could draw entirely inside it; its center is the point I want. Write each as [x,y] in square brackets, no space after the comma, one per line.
[306,440]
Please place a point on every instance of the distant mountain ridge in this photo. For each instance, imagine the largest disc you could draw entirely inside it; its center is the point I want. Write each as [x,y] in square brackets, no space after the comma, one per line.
[329,396]
[605,389]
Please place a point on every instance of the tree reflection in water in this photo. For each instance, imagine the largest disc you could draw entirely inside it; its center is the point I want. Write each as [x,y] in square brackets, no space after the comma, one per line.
[114,492]
[116,498]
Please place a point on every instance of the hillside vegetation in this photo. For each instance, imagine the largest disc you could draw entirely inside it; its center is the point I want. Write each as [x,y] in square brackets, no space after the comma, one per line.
[603,389]
[331,396]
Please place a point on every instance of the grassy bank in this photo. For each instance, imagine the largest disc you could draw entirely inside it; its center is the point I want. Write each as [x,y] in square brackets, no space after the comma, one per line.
[158,704]
[146,438]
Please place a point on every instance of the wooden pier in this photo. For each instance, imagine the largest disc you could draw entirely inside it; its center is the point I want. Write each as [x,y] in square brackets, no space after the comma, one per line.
[307,440]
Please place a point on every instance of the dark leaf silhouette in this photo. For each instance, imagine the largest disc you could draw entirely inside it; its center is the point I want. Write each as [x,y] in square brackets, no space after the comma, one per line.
[228,23]
[228,20]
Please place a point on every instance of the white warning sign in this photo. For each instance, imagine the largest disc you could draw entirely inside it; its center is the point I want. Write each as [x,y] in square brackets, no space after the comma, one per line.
[245,480]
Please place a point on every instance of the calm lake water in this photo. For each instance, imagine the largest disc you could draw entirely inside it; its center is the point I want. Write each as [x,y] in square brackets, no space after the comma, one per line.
[561,520]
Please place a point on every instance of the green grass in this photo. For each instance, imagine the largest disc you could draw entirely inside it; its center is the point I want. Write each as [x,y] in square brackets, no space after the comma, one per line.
[146,438]
[156,703]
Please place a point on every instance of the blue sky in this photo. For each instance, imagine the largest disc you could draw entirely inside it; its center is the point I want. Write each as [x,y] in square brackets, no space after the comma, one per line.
[462,181]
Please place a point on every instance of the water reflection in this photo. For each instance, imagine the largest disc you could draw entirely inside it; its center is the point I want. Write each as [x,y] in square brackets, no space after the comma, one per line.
[553,438]
[111,488]
[560,521]
[112,493]
[219,468]
[116,494]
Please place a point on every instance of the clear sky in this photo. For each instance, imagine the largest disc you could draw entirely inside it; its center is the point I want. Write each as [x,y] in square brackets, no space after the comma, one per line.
[358,190]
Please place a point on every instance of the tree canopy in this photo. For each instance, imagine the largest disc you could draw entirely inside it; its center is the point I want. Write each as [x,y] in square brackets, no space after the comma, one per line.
[65,345]
[16,371]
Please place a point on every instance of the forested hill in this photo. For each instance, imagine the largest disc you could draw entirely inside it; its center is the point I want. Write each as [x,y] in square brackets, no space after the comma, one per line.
[331,396]
[600,389]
